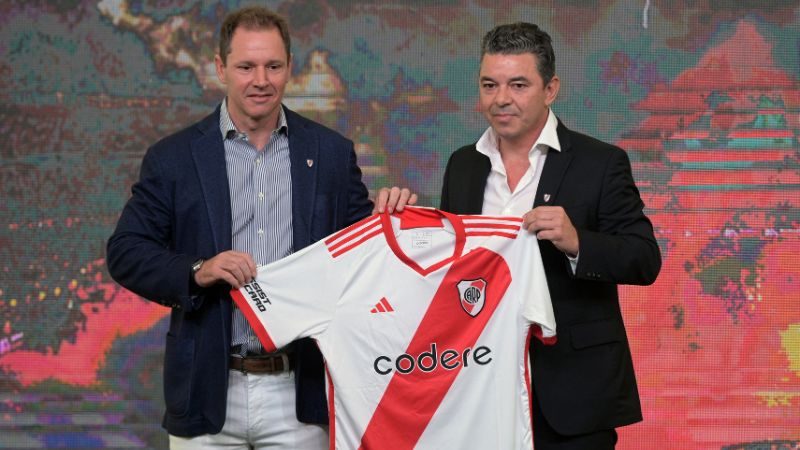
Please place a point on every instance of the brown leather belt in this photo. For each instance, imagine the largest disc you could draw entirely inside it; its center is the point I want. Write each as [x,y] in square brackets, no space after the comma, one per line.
[272,363]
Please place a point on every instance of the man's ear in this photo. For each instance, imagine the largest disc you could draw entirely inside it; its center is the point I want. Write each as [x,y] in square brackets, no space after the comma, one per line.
[552,90]
[220,66]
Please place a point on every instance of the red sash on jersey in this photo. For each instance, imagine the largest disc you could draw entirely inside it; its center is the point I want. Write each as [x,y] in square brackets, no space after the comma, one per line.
[410,400]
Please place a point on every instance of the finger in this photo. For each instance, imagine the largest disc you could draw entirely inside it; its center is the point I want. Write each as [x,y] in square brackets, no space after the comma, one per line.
[402,201]
[251,264]
[229,278]
[540,225]
[380,201]
[531,227]
[529,220]
[228,270]
[248,265]
[548,209]
[530,215]
[394,197]
[216,270]
[240,265]
[548,234]
[241,271]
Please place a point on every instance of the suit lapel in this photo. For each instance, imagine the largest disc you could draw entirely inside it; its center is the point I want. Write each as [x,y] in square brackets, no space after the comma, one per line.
[303,154]
[555,165]
[209,156]
[477,185]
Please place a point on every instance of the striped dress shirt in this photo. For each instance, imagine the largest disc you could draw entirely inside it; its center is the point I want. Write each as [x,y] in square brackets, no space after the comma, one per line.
[260,185]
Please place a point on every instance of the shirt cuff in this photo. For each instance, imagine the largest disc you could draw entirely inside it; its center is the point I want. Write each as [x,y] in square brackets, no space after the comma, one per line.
[573,262]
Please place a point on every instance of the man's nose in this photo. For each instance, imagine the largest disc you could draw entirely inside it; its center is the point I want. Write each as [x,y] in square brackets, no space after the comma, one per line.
[502,97]
[260,78]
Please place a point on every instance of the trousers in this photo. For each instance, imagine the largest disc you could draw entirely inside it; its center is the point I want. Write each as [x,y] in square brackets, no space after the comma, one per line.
[260,414]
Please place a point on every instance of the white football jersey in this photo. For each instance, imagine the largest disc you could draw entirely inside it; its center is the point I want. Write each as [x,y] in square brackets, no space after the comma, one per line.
[424,320]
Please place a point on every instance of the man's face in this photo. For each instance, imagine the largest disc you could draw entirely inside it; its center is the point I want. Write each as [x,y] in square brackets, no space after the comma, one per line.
[255,75]
[514,98]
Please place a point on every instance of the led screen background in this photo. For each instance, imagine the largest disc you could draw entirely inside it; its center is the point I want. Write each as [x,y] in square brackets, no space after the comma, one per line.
[703,95]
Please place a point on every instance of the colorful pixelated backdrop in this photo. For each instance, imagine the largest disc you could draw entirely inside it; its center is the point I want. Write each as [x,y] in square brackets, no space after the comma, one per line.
[704,95]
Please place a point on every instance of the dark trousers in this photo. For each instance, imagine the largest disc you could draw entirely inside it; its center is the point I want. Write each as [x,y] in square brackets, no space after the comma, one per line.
[546,438]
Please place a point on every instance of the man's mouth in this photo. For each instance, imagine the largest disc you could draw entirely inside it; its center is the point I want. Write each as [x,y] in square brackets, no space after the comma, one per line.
[503,115]
[260,96]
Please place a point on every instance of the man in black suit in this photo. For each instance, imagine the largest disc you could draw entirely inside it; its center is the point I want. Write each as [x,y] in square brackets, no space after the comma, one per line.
[579,197]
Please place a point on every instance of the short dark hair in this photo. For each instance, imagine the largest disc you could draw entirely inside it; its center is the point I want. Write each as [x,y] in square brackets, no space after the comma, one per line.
[522,37]
[252,18]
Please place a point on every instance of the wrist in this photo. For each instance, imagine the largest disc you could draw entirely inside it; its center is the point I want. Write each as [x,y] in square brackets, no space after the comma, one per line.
[195,268]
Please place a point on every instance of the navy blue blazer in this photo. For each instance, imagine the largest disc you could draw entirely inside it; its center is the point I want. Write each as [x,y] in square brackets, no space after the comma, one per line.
[585,382]
[180,211]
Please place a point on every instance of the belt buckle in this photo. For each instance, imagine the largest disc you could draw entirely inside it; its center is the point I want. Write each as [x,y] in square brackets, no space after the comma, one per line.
[240,357]
[284,358]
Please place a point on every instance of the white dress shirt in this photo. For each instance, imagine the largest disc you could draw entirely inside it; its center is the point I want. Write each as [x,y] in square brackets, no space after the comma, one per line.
[497,197]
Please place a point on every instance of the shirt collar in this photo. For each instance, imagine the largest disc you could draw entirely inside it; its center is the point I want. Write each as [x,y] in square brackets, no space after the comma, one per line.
[487,144]
[228,129]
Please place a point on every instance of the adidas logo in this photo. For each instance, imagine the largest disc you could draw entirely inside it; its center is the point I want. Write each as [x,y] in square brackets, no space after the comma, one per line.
[382,306]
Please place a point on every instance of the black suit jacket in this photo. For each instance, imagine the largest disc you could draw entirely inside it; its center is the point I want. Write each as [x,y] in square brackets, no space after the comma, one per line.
[179,211]
[585,382]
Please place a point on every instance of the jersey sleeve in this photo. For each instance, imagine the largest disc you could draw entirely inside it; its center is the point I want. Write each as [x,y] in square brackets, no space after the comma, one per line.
[293,297]
[537,304]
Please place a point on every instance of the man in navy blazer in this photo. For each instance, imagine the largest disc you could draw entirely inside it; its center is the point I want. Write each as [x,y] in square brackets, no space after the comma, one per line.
[578,195]
[174,243]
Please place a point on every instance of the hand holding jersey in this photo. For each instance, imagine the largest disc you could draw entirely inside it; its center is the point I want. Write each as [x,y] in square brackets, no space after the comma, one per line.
[232,267]
[551,223]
